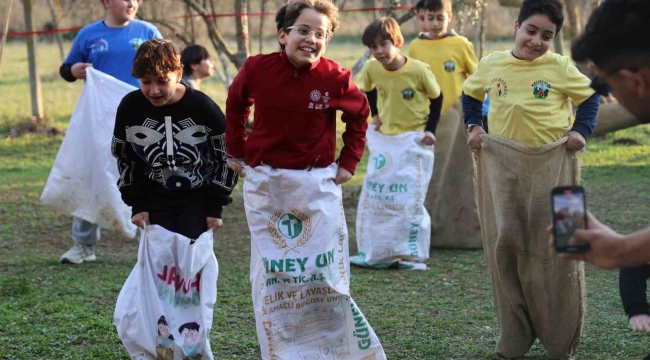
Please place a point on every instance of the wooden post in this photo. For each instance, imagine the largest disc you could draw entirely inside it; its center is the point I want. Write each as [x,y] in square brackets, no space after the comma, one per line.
[4,32]
[34,79]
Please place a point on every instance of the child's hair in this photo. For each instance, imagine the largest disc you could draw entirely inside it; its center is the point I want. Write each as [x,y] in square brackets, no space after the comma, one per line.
[610,37]
[156,57]
[163,321]
[189,326]
[419,5]
[288,14]
[383,28]
[437,5]
[193,54]
[551,8]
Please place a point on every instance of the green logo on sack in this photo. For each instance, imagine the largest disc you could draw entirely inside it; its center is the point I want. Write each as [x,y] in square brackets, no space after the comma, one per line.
[290,226]
[380,161]
[450,66]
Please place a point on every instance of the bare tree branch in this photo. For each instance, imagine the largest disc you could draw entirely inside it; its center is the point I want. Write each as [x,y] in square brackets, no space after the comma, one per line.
[174,28]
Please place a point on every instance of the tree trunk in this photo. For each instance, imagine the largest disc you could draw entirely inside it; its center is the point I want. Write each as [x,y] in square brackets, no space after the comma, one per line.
[262,10]
[34,79]
[613,117]
[4,32]
[481,36]
[217,38]
[54,10]
[189,24]
[573,16]
[241,25]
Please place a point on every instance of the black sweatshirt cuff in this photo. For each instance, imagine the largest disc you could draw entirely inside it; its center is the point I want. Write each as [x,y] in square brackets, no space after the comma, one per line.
[472,111]
[372,101]
[638,309]
[435,107]
[66,73]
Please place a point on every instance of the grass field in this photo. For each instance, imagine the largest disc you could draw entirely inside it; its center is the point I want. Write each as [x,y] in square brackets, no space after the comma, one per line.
[54,311]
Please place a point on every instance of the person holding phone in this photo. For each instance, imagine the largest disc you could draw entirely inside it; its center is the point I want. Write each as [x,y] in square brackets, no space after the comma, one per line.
[623,63]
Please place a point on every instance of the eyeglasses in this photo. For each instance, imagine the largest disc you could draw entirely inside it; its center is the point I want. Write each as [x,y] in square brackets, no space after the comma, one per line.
[305,31]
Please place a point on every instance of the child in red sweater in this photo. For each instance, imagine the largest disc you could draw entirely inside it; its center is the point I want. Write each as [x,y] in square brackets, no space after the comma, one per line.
[296,93]
[292,195]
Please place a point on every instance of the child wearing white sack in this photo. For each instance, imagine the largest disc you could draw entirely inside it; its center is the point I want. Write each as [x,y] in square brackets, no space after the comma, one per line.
[170,150]
[299,248]
[393,226]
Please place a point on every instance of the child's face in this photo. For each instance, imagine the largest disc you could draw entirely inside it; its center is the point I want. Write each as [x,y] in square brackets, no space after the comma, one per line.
[307,40]
[437,23]
[533,37]
[203,69]
[164,330]
[121,10]
[420,18]
[190,336]
[160,89]
[385,52]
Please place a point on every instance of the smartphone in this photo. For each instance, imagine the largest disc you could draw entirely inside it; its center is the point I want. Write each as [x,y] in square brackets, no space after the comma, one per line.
[569,214]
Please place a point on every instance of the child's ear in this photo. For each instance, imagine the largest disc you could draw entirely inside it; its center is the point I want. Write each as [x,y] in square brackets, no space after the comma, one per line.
[516,26]
[451,16]
[639,80]
[282,37]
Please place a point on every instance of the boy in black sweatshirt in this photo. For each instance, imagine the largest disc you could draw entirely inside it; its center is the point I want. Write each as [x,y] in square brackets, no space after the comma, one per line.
[170,148]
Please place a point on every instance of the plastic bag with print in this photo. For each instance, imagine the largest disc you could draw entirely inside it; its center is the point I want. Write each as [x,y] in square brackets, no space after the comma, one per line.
[83,179]
[164,311]
[393,227]
[300,270]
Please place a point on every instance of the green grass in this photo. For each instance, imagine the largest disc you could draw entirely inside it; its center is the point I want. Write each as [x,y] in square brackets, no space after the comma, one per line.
[54,311]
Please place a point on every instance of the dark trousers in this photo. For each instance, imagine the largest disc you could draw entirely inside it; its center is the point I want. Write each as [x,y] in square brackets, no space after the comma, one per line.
[181,212]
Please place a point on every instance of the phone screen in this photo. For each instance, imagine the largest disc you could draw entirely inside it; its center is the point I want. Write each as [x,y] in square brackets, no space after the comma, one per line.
[568,215]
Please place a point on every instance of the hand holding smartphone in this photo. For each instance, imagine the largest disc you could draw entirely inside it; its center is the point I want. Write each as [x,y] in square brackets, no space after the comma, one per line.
[569,214]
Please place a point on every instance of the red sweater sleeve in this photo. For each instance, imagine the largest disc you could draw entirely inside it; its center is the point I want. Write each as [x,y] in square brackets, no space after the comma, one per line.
[237,110]
[354,106]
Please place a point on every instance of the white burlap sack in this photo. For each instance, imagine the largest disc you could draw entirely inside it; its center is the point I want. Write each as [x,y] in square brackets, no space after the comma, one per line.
[164,311]
[392,223]
[83,180]
[300,268]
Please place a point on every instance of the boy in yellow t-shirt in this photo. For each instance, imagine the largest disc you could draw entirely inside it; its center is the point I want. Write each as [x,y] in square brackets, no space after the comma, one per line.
[530,88]
[405,89]
[450,56]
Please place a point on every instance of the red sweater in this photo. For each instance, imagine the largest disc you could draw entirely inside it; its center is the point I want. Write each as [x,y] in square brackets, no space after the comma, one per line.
[295,114]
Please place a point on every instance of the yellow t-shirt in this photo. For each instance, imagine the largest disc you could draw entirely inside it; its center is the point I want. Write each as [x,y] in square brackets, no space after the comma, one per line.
[529,100]
[452,61]
[402,95]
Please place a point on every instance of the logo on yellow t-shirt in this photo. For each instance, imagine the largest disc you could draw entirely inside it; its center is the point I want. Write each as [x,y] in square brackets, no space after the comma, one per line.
[450,66]
[541,89]
[498,88]
[408,94]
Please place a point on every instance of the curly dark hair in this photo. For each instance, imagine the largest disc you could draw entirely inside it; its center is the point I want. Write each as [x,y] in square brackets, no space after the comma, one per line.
[156,57]
[613,36]
[550,8]
[288,14]
[436,5]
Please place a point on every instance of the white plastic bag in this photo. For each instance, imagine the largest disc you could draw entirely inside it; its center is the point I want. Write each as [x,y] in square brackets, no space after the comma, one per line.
[300,270]
[164,311]
[393,226]
[83,180]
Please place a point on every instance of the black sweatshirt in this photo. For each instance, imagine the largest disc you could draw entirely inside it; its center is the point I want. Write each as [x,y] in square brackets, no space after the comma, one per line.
[150,170]
[632,284]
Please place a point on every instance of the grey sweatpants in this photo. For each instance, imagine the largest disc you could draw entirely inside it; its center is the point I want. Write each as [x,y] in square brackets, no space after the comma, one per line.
[84,232]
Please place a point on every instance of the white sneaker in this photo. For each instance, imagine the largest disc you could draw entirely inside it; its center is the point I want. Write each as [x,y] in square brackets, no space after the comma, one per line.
[78,254]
